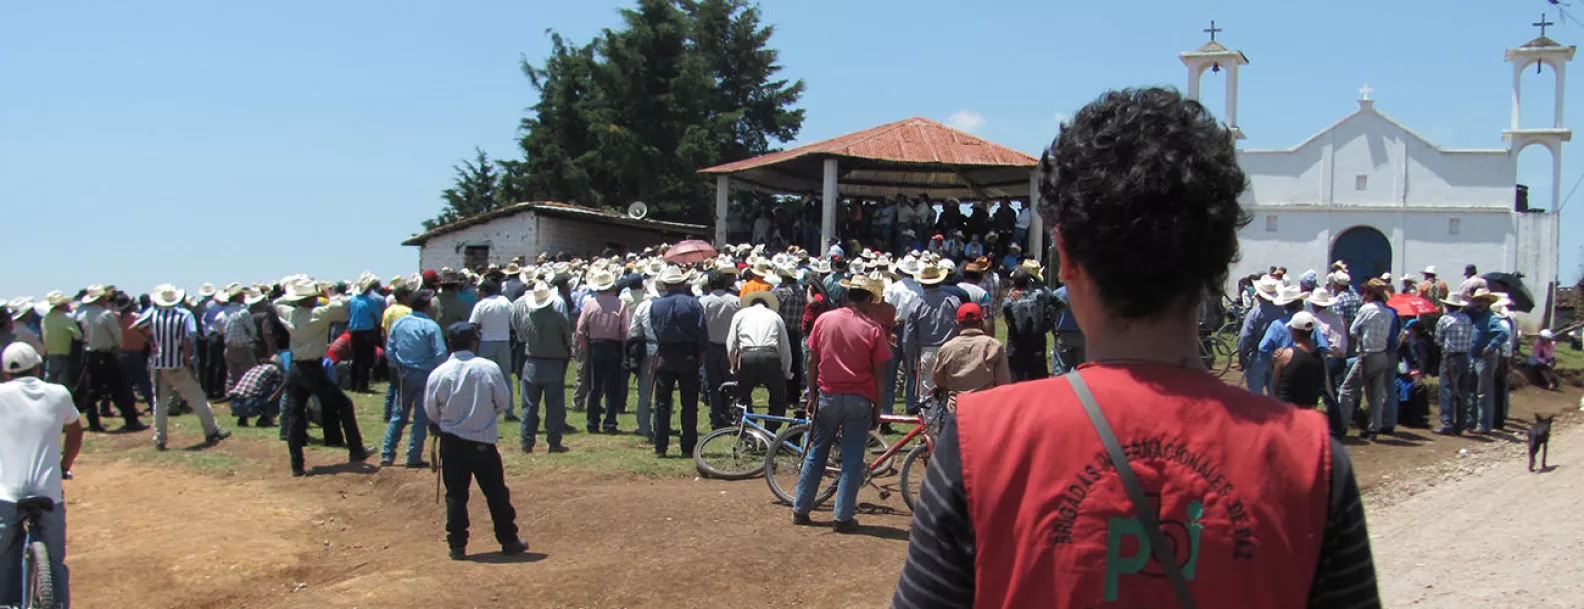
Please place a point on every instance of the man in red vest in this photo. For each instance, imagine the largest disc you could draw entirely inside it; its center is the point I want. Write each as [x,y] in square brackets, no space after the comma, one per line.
[1162,486]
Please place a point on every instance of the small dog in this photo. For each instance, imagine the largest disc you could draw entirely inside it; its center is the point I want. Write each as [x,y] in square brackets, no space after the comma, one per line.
[1540,440]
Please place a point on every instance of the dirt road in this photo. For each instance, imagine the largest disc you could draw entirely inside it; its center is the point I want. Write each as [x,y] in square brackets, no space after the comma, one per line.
[1491,535]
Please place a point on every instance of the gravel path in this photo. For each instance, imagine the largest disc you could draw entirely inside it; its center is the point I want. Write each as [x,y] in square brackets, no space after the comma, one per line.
[1484,532]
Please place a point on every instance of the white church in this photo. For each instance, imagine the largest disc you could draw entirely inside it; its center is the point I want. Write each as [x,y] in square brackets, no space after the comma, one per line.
[1370,191]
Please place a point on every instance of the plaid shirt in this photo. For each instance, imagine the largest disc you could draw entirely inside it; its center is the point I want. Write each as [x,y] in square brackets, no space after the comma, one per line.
[1348,304]
[1455,332]
[259,382]
[790,298]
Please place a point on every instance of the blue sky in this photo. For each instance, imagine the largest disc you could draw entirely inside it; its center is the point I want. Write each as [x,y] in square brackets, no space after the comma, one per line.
[187,141]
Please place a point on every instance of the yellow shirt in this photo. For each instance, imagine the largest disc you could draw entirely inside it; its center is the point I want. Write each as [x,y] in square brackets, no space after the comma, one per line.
[393,313]
[59,332]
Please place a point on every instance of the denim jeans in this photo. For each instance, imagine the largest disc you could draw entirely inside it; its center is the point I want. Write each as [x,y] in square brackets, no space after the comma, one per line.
[134,368]
[57,369]
[849,415]
[1258,375]
[607,381]
[255,407]
[390,395]
[1485,372]
[53,531]
[499,351]
[410,406]
[1454,397]
[910,387]
[1336,369]
[543,379]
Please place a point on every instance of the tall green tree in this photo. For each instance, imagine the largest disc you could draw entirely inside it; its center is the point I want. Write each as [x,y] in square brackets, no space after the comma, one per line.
[473,192]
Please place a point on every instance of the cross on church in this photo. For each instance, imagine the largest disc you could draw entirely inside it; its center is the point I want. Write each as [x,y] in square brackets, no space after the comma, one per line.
[1365,91]
[1542,25]
[1213,29]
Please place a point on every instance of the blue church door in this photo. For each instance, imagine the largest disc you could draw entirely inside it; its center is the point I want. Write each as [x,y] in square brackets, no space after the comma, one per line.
[1367,252]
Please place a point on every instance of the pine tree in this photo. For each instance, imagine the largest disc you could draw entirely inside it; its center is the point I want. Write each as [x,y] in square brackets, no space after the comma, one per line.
[473,192]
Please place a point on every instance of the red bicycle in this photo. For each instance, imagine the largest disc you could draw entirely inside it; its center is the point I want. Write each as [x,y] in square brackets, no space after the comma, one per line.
[784,461]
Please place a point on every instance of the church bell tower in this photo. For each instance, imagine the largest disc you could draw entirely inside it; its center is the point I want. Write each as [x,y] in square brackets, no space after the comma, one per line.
[1545,52]
[1215,57]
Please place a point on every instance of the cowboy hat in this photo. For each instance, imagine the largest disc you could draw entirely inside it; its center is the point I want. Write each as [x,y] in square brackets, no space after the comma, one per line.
[254,297]
[206,290]
[1322,298]
[761,268]
[57,298]
[1033,268]
[300,289]
[513,268]
[541,296]
[96,292]
[19,307]
[979,265]
[167,295]
[673,275]
[1547,334]
[1483,294]
[865,283]
[909,265]
[449,277]
[931,274]
[222,297]
[1455,299]
[1267,287]
[601,280]
[1341,278]
[1288,295]
[1430,270]
[761,296]
[725,265]
[821,266]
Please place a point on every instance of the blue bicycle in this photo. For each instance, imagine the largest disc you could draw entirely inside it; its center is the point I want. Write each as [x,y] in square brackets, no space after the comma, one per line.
[738,452]
[38,576]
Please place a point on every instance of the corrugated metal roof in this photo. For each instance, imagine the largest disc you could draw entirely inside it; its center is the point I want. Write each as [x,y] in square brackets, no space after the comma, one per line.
[912,156]
[560,209]
[914,140]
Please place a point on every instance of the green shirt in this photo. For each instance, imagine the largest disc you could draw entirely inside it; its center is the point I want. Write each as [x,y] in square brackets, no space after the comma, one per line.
[59,332]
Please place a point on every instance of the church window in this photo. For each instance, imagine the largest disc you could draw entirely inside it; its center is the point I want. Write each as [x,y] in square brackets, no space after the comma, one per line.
[1270,224]
[1454,225]
[1361,182]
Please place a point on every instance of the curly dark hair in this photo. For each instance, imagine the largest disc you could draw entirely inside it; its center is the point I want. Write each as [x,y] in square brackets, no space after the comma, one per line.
[1142,186]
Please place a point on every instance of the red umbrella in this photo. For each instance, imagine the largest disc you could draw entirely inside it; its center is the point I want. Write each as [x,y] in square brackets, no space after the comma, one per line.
[1409,305]
[689,252]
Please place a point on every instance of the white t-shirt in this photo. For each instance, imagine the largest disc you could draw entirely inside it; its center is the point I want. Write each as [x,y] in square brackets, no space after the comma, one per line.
[493,318]
[30,439]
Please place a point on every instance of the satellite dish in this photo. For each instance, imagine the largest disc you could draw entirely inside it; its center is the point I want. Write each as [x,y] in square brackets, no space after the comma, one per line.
[637,210]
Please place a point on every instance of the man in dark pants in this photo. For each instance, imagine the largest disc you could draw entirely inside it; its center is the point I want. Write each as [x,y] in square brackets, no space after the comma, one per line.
[364,322]
[463,398]
[761,351]
[790,300]
[309,325]
[719,307]
[101,375]
[1028,314]
[678,322]
[601,333]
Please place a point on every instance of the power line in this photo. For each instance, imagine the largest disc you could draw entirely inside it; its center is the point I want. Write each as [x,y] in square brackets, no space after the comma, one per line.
[1569,197]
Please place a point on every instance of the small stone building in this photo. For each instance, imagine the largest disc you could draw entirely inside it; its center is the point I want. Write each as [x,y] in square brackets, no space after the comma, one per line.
[526,229]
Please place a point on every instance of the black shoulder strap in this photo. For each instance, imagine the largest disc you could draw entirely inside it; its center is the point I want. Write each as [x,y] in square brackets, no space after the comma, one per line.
[1135,491]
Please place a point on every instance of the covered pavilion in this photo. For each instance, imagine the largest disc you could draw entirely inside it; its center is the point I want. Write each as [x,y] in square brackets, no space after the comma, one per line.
[908,157]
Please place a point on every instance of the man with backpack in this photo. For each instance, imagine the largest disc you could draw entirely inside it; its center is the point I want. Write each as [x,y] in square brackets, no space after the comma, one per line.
[1030,313]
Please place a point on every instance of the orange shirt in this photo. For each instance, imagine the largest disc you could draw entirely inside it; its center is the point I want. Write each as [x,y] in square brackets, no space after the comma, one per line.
[754,285]
[131,340]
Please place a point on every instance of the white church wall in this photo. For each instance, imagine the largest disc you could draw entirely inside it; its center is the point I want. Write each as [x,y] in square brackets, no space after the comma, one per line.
[1283,177]
[1366,145]
[1460,179]
[1537,259]
[506,237]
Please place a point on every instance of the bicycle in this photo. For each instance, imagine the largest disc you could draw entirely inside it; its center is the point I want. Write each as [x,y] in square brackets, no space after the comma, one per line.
[738,452]
[38,574]
[1217,353]
[785,459]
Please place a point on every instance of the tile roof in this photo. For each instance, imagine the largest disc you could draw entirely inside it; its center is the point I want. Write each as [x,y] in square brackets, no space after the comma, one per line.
[559,209]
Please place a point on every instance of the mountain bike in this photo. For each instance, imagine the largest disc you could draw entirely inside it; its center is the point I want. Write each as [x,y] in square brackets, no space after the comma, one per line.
[38,574]
[738,452]
[784,463]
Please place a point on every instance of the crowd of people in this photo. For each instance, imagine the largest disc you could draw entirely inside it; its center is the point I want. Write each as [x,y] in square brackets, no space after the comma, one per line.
[1339,342]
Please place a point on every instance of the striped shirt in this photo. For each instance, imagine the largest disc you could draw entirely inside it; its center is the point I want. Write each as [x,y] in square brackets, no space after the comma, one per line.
[939,571]
[169,328]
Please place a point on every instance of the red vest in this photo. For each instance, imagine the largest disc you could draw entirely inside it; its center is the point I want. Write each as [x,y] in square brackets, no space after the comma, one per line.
[1240,484]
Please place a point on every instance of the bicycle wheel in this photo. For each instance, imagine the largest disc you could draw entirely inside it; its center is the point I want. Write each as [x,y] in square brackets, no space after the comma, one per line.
[783,466]
[732,453]
[40,577]
[1222,351]
[912,477]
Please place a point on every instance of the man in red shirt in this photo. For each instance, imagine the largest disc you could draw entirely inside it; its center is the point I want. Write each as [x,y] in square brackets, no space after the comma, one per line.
[1063,492]
[847,351]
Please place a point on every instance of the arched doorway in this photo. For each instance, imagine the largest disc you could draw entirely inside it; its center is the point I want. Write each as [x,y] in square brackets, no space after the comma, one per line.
[1367,252]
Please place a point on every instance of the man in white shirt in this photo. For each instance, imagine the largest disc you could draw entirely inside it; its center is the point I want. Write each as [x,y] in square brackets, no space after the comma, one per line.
[462,398]
[492,316]
[760,350]
[1020,228]
[33,459]
[719,307]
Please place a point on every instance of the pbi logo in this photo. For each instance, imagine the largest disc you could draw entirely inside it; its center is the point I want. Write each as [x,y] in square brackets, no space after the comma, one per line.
[1124,534]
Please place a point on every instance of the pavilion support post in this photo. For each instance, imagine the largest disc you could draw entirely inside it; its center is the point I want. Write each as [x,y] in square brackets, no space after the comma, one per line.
[828,207]
[1036,229]
[722,192]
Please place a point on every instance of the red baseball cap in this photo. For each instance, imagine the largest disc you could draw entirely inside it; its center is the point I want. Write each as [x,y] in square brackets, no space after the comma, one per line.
[430,276]
[969,312]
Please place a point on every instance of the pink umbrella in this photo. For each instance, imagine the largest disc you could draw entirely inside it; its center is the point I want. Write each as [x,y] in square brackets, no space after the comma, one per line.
[1409,305]
[689,252]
